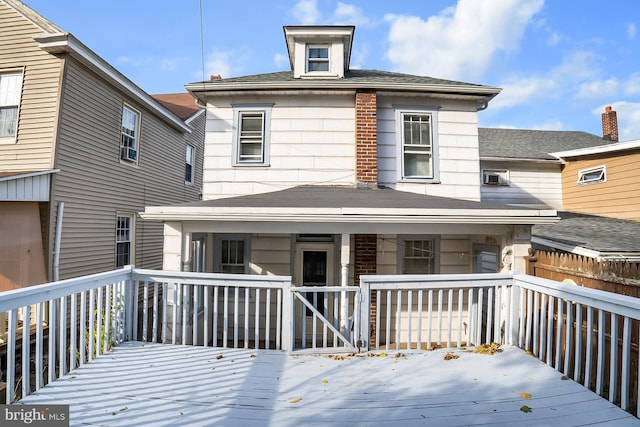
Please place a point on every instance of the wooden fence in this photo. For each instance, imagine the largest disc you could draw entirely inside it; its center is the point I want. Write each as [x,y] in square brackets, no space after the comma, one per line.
[620,277]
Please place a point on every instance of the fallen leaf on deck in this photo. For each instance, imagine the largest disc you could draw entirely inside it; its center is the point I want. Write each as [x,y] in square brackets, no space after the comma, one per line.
[525,408]
[252,355]
[525,395]
[383,355]
[492,348]
[450,356]
[325,382]
[219,357]
[398,355]
[564,377]
[296,400]
[124,408]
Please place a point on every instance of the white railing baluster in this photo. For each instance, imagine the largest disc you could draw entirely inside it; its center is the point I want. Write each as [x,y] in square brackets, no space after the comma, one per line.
[196,310]
[470,317]
[430,318]
[568,336]
[440,296]
[460,303]
[543,327]
[625,373]
[225,317]
[154,326]
[12,323]
[325,329]
[62,350]
[409,319]
[257,321]
[577,366]
[279,325]
[246,316]
[186,292]
[26,346]
[177,295]
[398,318]
[588,364]
[388,321]
[536,321]
[165,323]
[489,315]
[559,328]
[613,359]
[600,359]
[336,316]
[39,343]
[521,316]
[528,331]
[107,319]
[216,302]
[207,313]
[449,316]
[136,305]
[480,308]
[84,331]
[267,321]
[73,332]
[378,309]
[236,314]
[419,343]
[92,323]
[550,329]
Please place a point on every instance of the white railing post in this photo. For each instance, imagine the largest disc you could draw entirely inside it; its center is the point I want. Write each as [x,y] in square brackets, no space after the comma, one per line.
[288,325]
[512,330]
[365,316]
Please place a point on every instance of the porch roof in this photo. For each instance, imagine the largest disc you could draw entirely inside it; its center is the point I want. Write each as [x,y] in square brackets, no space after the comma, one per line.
[334,204]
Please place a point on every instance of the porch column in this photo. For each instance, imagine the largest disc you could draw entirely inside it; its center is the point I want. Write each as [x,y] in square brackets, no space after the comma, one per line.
[186,251]
[345,252]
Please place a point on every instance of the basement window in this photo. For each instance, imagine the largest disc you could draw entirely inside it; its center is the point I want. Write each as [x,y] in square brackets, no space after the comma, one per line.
[593,175]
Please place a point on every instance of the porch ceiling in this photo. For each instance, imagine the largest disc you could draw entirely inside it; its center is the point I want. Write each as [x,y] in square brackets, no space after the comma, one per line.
[335,206]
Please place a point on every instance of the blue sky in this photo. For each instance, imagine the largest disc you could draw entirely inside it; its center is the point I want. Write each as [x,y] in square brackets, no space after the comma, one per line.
[559,62]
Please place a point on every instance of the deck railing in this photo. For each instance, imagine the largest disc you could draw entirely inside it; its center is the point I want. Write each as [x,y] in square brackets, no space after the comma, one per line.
[588,335]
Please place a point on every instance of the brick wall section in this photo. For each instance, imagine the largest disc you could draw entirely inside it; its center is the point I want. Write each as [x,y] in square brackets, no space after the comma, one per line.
[366,138]
[365,261]
[610,125]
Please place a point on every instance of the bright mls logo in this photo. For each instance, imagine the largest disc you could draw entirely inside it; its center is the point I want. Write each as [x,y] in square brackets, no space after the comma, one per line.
[34,415]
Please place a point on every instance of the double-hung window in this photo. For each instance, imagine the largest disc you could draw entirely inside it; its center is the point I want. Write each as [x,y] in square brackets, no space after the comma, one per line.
[124,240]
[251,135]
[317,58]
[418,254]
[10,89]
[417,157]
[130,134]
[231,254]
[188,171]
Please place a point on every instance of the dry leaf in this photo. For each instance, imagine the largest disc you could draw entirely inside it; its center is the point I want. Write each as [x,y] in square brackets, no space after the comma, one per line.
[383,354]
[296,400]
[450,356]
[564,377]
[325,382]
[525,395]
[219,357]
[525,409]
[252,355]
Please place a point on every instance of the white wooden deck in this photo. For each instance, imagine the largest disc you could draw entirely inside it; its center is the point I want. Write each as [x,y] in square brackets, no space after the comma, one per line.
[168,385]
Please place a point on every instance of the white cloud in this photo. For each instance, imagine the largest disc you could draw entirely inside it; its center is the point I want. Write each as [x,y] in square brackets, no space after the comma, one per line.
[520,91]
[281,61]
[347,14]
[461,41]
[632,86]
[225,63]
[171,64]
[598,89]
[631,30]
[306,12]
[552,124]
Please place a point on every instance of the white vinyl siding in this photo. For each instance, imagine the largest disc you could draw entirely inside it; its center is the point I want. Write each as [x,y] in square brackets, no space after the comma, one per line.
[10,89]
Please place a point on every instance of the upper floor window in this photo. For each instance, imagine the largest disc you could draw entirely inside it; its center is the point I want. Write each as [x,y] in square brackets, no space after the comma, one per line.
[251,135]
[417,146]
[188,172]
[129,139]
[495,177]
[317,58]
[124,240]
[10,88]
[592,175]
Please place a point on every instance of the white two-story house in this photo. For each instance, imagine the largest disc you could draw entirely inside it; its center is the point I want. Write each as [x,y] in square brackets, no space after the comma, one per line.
[326,173]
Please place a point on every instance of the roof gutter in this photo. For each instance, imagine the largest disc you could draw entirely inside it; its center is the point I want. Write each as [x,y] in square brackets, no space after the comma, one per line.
[56,43]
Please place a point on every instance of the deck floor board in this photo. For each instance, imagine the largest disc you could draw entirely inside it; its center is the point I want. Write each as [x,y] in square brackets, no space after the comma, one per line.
[165,385]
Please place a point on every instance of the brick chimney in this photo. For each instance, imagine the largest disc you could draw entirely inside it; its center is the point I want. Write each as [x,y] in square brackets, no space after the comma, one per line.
[366,139]
[610,124]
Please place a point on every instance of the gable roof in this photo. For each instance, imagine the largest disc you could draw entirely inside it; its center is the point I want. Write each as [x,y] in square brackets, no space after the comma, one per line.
[591,235]
[526,144]
[182,104]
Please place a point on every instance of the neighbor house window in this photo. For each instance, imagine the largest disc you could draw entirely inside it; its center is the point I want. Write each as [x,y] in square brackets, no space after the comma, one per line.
[251,135]
[10,89]
[592,175]
[129,138]
[231,254]
[124,240]
[317,58]
[188,171]
[417,156]
[417,255]
[495,177]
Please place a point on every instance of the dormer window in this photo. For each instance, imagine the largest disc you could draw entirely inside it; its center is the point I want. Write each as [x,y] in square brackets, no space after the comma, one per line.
[317,58]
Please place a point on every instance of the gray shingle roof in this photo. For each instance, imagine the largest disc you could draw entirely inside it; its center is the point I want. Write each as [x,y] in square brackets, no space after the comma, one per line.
[532,144]
[351,76]
[592,232]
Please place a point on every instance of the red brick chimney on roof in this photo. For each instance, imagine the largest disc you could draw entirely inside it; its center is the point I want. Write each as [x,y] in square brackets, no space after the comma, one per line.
[610,125]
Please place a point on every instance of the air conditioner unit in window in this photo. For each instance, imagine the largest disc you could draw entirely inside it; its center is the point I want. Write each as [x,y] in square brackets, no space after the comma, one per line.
[491,179]
[128,154]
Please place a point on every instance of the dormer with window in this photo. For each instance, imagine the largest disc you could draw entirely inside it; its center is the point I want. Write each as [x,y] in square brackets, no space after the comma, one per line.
[319,52]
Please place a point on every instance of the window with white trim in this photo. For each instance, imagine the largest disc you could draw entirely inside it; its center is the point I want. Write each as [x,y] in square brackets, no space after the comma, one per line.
[231,254]
[317,58]
[417,145]
[593,175]
[251,135]
[417,254]
[129,135]
[10,90]
[188,171]
[124,240]
[495,177]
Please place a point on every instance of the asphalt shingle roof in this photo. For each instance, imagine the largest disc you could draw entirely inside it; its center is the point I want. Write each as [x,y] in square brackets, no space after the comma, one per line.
[593,232]
[532,144]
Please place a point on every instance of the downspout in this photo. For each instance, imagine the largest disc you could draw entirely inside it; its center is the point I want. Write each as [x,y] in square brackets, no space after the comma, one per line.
[56,243]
